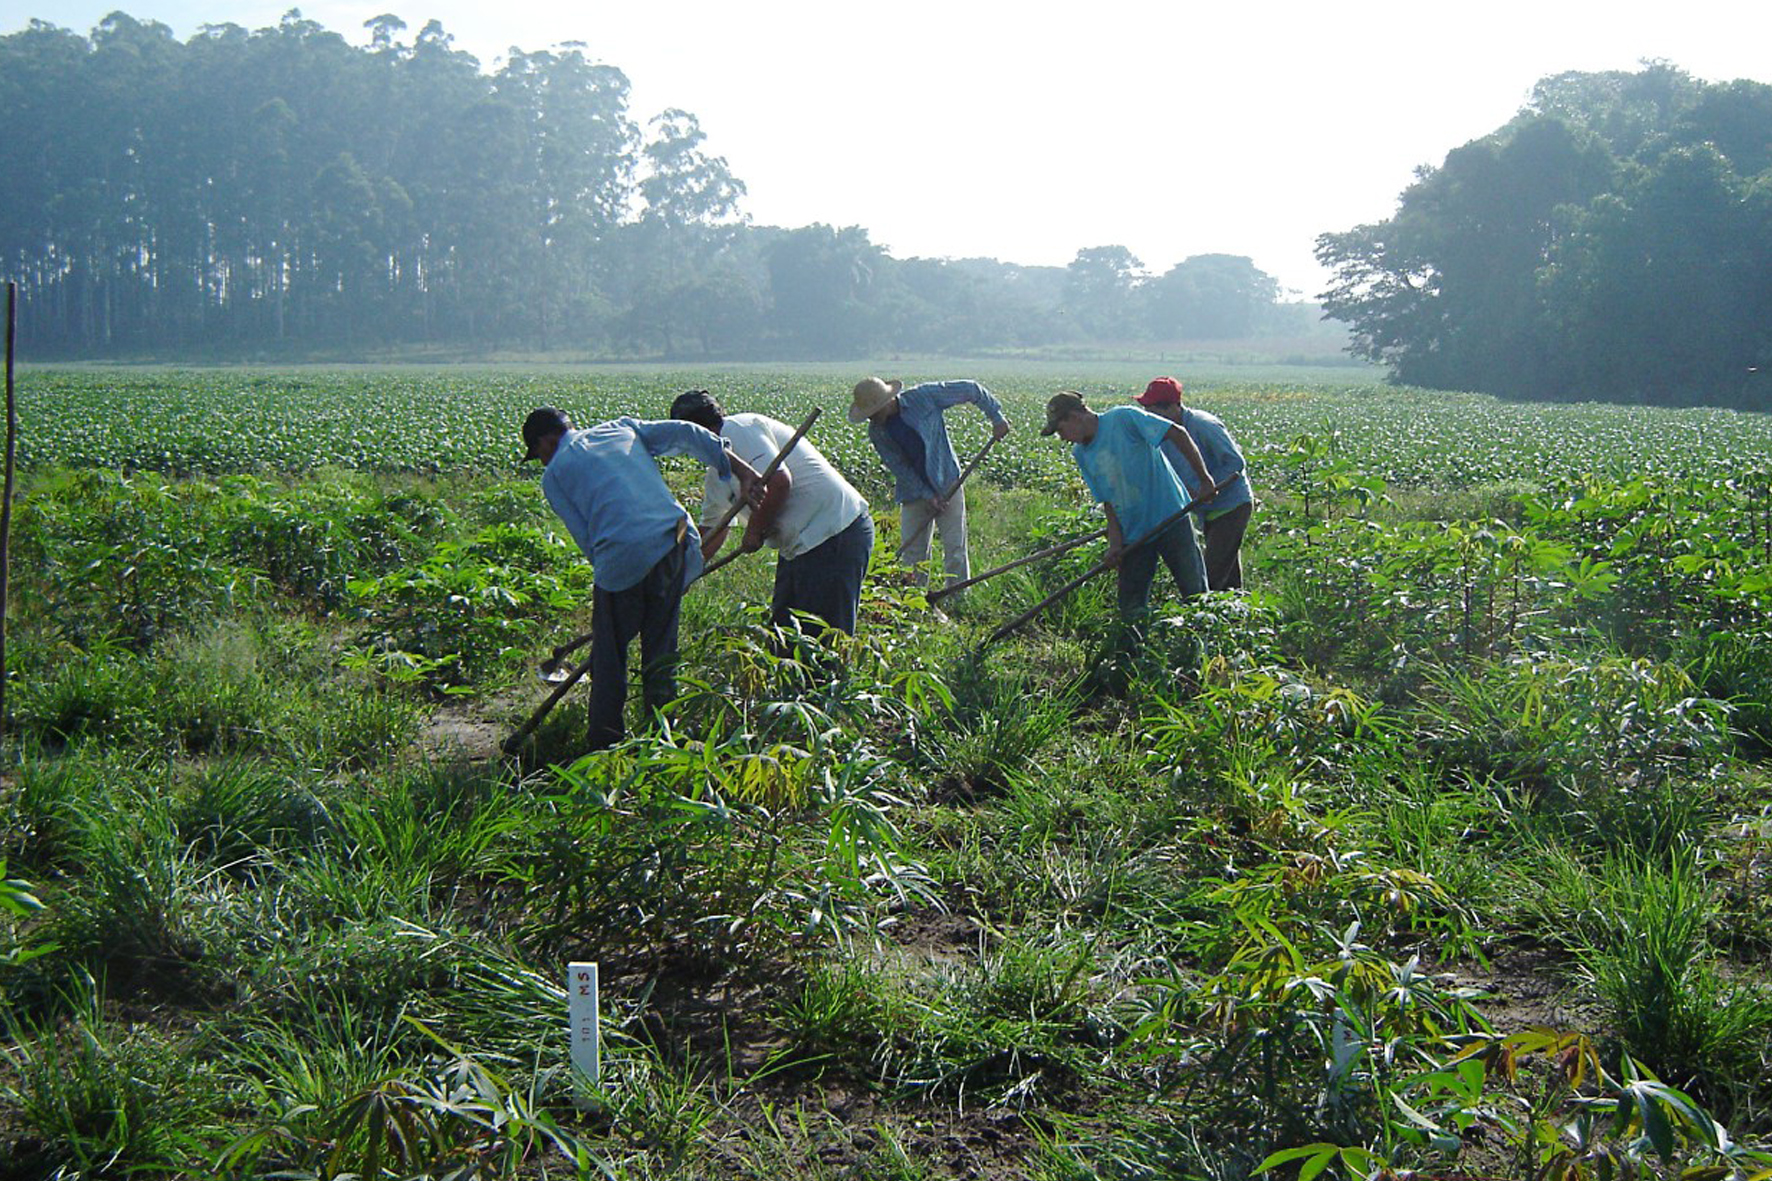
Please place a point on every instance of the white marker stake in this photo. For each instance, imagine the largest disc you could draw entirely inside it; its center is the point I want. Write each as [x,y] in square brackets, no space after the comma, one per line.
[581,1007]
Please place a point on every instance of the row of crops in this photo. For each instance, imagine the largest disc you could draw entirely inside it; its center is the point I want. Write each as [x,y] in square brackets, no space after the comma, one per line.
[405,420]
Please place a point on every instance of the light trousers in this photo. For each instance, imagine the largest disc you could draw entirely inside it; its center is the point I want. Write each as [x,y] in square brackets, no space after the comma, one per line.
[918,520]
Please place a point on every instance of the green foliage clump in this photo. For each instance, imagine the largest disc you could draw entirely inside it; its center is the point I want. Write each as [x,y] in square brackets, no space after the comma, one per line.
[470,606]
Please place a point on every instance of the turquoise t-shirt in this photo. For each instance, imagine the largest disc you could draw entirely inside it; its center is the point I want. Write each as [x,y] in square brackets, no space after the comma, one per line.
[1124,466]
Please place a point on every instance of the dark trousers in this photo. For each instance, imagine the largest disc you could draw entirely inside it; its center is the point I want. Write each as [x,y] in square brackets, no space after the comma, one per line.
[1176,547]
[1224,548]
[826,580]
[649,609]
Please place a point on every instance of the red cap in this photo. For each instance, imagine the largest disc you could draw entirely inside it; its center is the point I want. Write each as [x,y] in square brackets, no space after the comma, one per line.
[1165,391]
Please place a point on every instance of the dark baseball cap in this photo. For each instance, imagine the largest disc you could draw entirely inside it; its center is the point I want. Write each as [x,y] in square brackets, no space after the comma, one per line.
[539,425]
[1061,406]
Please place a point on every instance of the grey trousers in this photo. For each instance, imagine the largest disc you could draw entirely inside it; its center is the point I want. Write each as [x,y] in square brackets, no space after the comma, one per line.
[917,520]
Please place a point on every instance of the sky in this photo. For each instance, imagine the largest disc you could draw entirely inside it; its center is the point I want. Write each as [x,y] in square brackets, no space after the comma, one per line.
[1026,132]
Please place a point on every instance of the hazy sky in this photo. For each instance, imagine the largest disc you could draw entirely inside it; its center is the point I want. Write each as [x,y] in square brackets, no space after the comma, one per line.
[1027,131]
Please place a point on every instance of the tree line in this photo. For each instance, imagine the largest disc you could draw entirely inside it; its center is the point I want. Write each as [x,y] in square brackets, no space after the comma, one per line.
[282,191]
[1613,242]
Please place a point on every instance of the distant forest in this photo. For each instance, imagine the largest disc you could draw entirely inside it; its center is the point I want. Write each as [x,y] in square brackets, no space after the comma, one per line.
[280,192]
[1612,242]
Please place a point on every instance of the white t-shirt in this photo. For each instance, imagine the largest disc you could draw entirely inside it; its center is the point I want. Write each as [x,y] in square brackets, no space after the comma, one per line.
[821,503]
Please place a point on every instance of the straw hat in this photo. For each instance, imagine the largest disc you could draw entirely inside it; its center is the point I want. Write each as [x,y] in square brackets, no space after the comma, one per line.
[871,397]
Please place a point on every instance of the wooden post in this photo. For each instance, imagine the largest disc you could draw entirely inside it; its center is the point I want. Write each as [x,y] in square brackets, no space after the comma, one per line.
[6,503]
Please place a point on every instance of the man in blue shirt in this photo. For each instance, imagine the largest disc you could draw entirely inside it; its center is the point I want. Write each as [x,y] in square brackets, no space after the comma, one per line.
[907,428]
[1119,452]
[1228,519]
[605,486]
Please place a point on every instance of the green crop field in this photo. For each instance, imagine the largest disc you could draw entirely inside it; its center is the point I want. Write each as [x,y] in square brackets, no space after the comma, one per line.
[1441,851]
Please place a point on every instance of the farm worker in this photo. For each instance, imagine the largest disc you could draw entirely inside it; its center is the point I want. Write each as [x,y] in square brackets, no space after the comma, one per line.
[605,485]
[1120,453]
[1228,519]
[907,428]
[819,523]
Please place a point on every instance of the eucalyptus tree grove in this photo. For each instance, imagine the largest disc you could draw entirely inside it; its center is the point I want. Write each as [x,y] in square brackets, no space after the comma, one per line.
[282,185]
[282,192]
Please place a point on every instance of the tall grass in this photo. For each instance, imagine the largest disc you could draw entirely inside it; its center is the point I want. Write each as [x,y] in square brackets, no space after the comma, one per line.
[1644,945]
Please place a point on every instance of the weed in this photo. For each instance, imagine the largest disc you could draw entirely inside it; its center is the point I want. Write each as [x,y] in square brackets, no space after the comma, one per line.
[89,1097]
[1014,1030]
[839,1008]
[997,728]
[145,911]
[1645,951]
[453,1115]
[1608,747]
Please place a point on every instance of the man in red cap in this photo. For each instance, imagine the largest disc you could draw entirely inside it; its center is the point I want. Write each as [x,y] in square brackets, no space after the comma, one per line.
[1226,519]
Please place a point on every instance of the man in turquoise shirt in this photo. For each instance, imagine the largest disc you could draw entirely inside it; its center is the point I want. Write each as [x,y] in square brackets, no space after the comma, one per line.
[1119,452]
[605,486]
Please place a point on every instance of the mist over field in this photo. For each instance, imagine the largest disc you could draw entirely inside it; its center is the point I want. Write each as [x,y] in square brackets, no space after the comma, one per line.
[281,195]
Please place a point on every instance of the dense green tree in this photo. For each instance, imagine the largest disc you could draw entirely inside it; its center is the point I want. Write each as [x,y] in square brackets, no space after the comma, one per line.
[1605,243]
[675,266]
[1444,292]
[947,305]
[1209,297]
[822,281]
[281,190]
[683,185]
[1736,119]
[1661,293]
[1098,292]
[1629,110]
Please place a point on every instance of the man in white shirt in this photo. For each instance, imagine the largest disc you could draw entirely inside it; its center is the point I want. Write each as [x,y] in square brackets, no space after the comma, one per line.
[810,513]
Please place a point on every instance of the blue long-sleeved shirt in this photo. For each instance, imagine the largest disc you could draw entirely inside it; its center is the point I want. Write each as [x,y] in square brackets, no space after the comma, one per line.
[921,408]
[604,484]
[1223,458]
